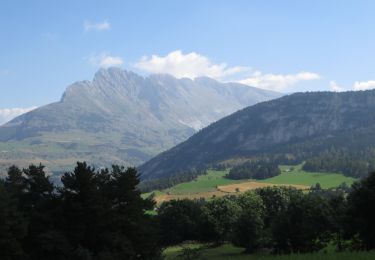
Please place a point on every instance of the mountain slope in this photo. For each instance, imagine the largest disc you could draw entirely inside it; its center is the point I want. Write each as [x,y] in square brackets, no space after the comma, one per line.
[299,125]
[120,117]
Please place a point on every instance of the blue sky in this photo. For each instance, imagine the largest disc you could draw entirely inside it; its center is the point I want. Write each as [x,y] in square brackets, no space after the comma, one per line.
[286,46]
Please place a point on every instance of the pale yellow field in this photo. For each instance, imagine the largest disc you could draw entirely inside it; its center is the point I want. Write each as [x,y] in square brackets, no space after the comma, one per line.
[223,190]
[206,195]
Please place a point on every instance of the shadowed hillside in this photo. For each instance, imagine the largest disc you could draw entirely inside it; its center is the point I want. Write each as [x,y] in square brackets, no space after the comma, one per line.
[291,128]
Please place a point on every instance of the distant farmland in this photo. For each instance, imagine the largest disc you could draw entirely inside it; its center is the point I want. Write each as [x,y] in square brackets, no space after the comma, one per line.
[215,185]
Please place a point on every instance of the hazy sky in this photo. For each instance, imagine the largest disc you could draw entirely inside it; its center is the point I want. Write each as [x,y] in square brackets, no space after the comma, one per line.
[286,46]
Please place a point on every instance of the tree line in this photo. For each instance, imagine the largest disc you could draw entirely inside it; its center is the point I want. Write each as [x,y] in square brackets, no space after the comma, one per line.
[347,153]
[100,214]
[258,170]
[350,163]
[170,181]
[356,163]
[279,220]
[93,215]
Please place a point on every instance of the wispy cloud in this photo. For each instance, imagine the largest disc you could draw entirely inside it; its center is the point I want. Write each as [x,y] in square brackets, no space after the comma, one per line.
[333,86]
[105,60]
[278,82]
[92,26]
[189,65]
[357,86]
[8,114]
[192,65]
[364,85]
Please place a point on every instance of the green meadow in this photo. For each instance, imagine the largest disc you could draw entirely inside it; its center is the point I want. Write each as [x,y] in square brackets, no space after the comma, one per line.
[290,174]
[293,174]
[203,183]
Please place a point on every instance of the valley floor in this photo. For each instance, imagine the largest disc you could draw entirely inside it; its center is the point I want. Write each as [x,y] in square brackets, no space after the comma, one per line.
[215,185]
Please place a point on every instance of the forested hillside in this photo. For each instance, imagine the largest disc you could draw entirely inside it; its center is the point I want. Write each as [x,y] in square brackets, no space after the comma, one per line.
[288,130]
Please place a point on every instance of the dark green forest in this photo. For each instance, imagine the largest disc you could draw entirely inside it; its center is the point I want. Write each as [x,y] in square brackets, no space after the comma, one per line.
[167,182]
[93,215]
[258,170]
[350,163]
[100,214]
[278,220]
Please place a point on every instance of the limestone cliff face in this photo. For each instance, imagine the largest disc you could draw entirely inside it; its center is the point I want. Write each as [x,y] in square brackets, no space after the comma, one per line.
[121,117]
[293,119]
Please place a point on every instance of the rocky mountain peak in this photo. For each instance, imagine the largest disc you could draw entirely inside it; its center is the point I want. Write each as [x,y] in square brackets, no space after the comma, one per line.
[123,117]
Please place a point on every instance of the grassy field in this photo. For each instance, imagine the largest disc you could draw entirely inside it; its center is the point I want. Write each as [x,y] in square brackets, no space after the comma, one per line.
[230,252]
[205,186]
[295,175]
[214,183]
[203,183]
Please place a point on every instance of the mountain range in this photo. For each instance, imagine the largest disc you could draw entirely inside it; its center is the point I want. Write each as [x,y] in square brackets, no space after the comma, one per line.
[292,128]
[120,118]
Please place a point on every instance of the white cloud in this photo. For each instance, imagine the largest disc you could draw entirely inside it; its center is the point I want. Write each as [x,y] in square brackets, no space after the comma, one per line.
[105,60]
[90,26]
[364,85]
[278,82]
[333,86]
[8,114]
[190,65]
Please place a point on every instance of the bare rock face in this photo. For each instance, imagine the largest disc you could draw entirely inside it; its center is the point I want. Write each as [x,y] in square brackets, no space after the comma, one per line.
[120,117]
[307,122]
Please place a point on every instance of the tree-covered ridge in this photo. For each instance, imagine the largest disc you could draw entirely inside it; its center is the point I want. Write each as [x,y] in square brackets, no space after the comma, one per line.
[293,128]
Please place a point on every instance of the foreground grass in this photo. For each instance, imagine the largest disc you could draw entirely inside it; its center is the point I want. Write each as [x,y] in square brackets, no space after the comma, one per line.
[230,252]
